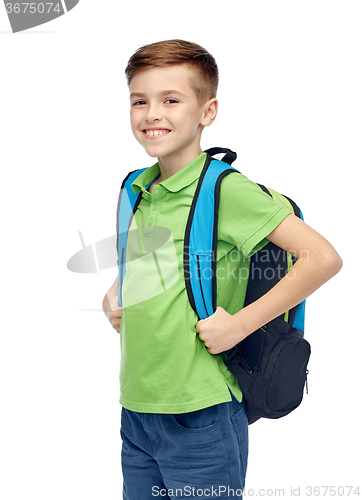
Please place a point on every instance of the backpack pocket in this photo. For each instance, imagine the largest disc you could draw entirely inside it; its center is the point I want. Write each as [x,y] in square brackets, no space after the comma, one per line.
[271,369]
[287,373]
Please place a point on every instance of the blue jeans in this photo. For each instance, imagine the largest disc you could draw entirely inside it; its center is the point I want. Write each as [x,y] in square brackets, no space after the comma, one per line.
[201,454]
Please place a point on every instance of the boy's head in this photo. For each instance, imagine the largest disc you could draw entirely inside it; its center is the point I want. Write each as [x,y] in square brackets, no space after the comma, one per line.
[172,90]
[204,75]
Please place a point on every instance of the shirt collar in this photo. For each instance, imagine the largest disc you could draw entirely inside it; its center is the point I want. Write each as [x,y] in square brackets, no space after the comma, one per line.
[176,182]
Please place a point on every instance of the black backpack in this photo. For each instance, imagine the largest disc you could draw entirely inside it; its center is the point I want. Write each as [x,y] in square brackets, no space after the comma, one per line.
[271,363]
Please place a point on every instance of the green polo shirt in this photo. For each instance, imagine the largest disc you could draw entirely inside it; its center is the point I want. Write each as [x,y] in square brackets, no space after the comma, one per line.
[165,367]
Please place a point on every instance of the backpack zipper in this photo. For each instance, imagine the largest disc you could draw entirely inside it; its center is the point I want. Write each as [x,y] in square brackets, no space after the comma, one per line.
[246,366]
[243,360]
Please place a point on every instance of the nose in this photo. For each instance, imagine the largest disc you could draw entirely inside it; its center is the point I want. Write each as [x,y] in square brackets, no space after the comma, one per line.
[153,113]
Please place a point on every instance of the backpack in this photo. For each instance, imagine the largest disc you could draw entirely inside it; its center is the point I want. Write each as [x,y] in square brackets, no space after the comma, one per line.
[271,363]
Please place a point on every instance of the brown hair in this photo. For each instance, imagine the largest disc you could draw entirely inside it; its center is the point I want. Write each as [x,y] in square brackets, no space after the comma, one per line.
[170,52]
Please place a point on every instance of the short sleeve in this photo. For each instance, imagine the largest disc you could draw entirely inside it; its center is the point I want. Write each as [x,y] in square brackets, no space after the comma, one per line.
[246,214]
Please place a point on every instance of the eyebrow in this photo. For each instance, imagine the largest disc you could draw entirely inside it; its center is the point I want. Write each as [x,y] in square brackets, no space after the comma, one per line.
[162,93]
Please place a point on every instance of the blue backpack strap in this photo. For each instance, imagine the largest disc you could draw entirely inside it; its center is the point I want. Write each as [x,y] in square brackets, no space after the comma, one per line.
[200,243]
[300,310]
[128,202]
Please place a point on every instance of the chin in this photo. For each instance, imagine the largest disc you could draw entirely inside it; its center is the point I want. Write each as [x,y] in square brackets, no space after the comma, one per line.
[155,153]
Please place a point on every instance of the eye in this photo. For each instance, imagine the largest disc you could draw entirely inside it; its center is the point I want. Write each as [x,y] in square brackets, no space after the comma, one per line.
[138,103]
[171,101]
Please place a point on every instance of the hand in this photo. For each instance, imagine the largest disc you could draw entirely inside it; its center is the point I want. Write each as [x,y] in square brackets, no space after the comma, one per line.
[219,332]
[115,318]
[112,311]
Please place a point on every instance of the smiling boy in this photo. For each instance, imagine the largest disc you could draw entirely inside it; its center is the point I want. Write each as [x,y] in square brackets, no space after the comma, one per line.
[184,427]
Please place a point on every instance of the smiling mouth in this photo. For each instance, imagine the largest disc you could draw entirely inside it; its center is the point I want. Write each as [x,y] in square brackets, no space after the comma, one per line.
[156,132]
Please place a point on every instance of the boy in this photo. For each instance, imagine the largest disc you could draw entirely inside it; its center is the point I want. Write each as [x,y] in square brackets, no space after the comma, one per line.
[184,428]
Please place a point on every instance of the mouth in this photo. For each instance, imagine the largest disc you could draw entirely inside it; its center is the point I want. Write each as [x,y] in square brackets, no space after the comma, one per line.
[153,133]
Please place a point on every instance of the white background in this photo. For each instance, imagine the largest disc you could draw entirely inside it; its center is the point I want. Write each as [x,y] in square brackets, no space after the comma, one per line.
[290,105]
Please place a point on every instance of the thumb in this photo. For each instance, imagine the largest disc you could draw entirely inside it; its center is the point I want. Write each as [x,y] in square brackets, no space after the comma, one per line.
[198,324]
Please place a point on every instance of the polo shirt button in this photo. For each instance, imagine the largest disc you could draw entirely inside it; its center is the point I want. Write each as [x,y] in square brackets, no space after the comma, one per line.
[154,207]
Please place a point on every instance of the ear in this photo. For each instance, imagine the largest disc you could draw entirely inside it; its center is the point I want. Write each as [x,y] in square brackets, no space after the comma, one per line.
[210,112]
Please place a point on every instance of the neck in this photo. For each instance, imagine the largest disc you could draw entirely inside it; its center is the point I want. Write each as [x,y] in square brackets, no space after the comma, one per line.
[169,166]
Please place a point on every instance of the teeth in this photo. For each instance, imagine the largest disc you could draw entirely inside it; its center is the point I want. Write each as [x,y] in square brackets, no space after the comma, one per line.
[156,132]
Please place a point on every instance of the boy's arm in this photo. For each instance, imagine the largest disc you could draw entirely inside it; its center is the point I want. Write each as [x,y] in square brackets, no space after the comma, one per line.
[111,307]
[317,262]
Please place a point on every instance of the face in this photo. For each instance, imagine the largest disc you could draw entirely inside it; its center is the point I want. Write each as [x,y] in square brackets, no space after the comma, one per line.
[166,118]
